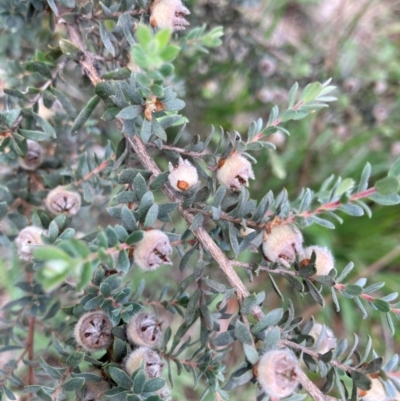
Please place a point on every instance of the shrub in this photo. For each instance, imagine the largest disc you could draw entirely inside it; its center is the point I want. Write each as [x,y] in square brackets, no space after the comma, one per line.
[105,182]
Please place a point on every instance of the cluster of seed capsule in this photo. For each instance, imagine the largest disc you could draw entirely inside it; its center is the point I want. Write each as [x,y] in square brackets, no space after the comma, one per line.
[93,332]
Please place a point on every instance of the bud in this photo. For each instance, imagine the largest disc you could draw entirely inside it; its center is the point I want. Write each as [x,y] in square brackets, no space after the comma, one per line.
[59,200]
[324,261]
[277,373]
[168,14]
[380,112]
[26,241]
[153,250]
[184,176]
[266,67]
[93,331]
[329,341]
[282,244]
[34,156]
[152,362]
[375,393]
[351,85]
[235,171]
[144,329]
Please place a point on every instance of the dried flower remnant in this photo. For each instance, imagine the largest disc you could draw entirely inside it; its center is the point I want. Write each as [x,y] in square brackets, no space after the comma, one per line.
[144,329]
[153,250]
[153,364]
[93,331]
[375,393]
[168,14]
[235,171]
[277,373]
[184,176]
[60,200]
[329,342]
[324,261]
[266,67]
[34,156]
[282,244]
[27,239]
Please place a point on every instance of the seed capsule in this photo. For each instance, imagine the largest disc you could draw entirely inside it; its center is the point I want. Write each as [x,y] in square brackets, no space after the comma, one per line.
[34,156]
[329,342]
[60,200]
[152,362]
[27,239]
[153,250]
[375,393]
[324,261]
[277,373]
[282,244]
[93,331]
[168,14]
[234,172]
[144,329]
[184,176]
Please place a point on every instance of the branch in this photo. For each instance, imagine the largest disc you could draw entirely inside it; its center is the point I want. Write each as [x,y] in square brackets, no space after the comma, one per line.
[196,155]
[315,393]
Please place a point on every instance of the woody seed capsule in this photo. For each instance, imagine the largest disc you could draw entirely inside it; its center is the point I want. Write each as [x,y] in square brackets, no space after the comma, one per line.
[34,156]
[26,241]
[184,176]
[93,331]
[144,329]
[329,341]
[234,172]
[168,14]
[60,200]
[277,373]
[282,244]
[152,362]
[153,250]
[375,393]
[324,261]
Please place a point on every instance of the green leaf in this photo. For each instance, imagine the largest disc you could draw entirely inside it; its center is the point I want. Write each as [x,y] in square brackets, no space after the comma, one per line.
[130,112]
[53,6]
[37,66]
[385,200]
[361,381]
[153,385]
[387,186]
[34,135]
[120,377]
[170,53]
[121,73]
[139,381]
[85,114]
[45,125]
[73,384]
[242,333]
[251,354]
[353,289]
[382,305]
[135,237]
[143,35]
[106,39]
[311,91]
[68,106]
[70,49]
[395,169]
[270,319]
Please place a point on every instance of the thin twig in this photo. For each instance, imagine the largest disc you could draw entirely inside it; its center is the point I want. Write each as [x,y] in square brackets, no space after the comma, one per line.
[181,151]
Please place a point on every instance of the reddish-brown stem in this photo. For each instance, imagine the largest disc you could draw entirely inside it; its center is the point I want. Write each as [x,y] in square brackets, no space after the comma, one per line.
[95,171]
[366,297]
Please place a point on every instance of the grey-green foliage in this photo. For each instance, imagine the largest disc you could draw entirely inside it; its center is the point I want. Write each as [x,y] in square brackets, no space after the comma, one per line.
[86,262]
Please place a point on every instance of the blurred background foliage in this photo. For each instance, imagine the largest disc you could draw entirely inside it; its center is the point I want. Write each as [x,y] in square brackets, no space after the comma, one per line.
[269,45]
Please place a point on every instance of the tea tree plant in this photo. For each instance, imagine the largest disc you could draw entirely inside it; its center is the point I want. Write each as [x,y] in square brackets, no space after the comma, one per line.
[104,180]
